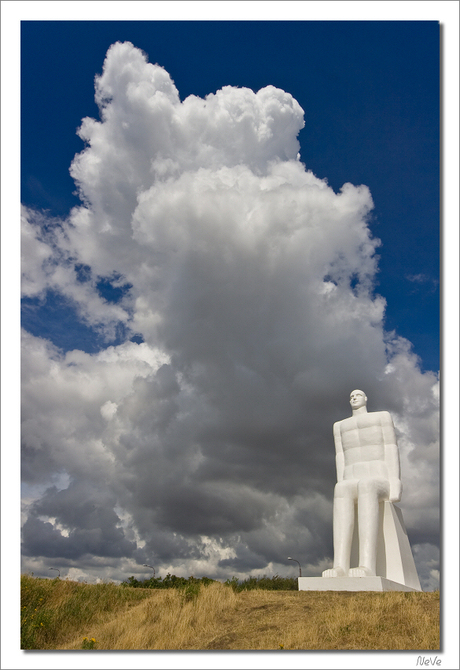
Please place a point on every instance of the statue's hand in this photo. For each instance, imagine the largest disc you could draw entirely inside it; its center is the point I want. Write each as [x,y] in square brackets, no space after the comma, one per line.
[395,490]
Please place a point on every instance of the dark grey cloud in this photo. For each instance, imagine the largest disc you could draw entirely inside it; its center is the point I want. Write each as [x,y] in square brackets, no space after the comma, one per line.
[83,522]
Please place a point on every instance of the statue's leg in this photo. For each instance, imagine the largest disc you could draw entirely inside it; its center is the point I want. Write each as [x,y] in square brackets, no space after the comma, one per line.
[343,523]
[370,493]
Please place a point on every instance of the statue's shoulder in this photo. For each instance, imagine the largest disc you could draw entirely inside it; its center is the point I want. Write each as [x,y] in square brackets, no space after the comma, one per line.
[343,422]
[384,416]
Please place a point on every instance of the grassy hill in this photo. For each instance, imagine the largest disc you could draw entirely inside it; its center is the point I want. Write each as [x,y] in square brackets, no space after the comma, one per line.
[61,614]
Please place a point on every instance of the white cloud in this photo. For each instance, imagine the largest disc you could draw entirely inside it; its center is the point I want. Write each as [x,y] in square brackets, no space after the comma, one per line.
[252,284]
[422,280]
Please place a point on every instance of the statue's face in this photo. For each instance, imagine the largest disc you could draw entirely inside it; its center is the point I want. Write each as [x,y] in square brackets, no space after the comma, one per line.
[357,399]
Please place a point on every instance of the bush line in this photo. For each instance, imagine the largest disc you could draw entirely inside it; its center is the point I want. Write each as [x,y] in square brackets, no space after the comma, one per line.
[275,583]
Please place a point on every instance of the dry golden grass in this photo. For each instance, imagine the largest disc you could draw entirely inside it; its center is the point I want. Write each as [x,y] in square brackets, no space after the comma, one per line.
[52,610]
[167,620]
[218,618]
[326,621]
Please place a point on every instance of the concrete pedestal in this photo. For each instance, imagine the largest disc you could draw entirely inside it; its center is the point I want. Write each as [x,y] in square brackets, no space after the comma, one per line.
[394,553]
[395,564]
[350,584]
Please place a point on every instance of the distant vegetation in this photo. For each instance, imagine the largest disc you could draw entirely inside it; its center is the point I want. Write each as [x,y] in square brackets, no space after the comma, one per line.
[205,614]
[275,583]
[169,582]
[266,583]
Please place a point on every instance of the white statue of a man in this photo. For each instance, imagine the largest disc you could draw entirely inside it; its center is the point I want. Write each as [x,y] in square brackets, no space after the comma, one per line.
[368,471]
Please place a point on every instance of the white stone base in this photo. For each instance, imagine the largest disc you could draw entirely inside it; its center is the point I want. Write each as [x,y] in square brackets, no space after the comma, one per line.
[395,564]
[394,554]
[350,584]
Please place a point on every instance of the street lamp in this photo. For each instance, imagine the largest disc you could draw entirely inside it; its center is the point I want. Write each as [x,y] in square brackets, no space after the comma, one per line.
[300,569]
[149,566]
[59,572]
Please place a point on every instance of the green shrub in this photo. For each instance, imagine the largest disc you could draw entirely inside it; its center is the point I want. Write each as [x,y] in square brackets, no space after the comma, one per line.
[191,591]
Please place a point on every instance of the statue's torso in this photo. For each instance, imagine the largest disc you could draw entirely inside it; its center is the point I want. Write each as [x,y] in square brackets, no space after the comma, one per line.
[363,445]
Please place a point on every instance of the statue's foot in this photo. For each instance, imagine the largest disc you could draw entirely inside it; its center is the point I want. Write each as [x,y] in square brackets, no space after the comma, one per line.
[334,572]
[360,572]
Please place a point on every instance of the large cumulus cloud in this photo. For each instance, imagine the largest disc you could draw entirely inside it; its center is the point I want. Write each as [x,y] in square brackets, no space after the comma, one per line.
[204,443]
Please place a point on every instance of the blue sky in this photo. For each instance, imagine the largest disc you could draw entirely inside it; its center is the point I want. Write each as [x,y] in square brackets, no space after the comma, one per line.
[370,91]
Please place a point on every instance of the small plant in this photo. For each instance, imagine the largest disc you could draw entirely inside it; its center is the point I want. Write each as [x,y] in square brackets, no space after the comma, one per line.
[191,592]
[88,643]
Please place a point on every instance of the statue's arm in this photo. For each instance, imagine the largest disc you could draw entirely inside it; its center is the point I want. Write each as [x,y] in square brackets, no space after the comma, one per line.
[392,457]
[339,457]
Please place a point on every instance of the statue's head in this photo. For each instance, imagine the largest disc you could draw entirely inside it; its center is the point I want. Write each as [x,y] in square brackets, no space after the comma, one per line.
[358,399]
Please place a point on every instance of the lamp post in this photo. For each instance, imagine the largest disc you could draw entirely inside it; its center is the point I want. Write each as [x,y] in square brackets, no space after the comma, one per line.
[59,572]
[149,566]
[294,559]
